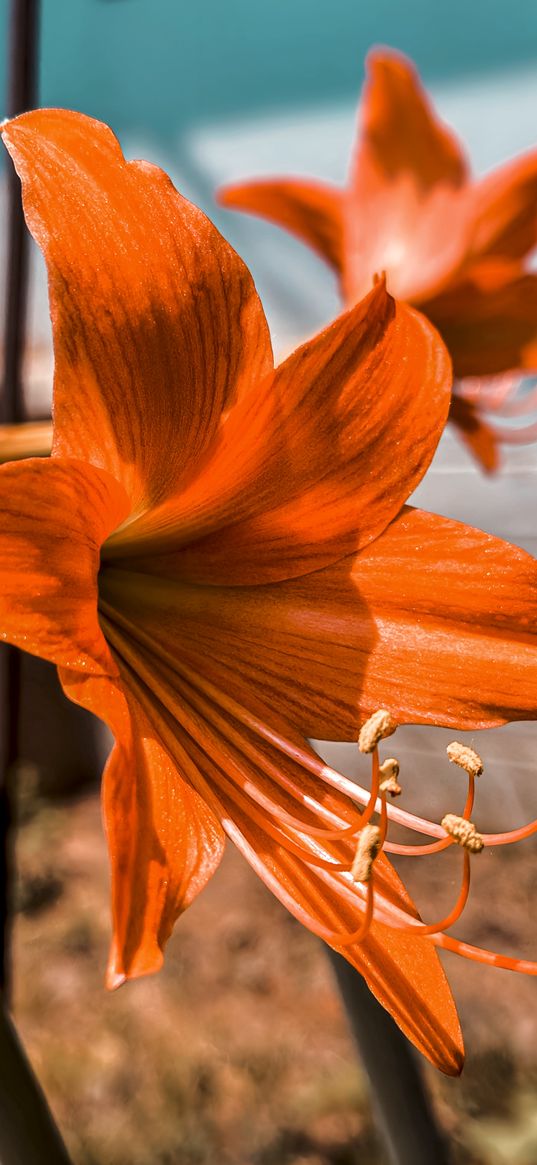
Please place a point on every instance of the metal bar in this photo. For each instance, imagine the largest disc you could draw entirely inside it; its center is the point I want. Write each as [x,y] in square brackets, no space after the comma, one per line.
[27,1130]
[402,1108]
[22,87]
[21,95]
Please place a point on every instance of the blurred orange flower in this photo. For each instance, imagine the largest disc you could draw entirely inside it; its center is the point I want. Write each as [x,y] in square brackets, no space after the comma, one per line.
[455,247]
[218,559]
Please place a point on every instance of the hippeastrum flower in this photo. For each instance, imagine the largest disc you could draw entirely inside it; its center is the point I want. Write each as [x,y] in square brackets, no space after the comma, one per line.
[218,558]
[453,246]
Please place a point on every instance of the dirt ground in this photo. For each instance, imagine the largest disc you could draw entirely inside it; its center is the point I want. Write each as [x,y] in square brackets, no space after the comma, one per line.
[238,1051]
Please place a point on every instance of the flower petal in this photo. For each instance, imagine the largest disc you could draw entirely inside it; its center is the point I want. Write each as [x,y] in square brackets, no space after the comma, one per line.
[434,621]
[157,324]
[408,178]
[311,210]
[237,766]
[504,202]
[314,463]
[476,434]
[489,320]
[401,129]
[164,841]
[54,518]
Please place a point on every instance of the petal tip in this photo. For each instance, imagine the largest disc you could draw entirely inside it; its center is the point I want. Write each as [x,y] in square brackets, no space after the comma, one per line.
[114,979]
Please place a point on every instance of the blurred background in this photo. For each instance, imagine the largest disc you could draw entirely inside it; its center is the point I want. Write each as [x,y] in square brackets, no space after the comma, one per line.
[239,1050]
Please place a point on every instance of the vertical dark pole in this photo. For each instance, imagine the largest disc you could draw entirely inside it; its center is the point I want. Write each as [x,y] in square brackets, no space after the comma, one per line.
[21,95]
[22,88]
[28,1135]
[403,1111]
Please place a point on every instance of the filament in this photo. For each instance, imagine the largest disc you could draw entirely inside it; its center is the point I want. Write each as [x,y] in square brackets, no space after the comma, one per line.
[482,955]
[240,788]
[434,928]
[435,847]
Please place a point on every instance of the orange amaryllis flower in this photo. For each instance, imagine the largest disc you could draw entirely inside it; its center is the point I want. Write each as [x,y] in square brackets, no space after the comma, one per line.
[452,246]
[218,559]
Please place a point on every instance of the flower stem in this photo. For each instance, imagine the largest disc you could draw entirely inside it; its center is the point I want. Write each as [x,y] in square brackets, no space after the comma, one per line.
[403,1110]
[27,1131]
[21,95]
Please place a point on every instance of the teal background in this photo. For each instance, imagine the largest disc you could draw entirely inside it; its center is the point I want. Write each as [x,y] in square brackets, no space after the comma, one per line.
[164,65]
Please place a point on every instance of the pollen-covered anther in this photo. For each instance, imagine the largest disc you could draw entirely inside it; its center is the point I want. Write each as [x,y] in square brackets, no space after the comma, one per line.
[389,772]
[379,725]
[463,832]
[366,852]
[465,758]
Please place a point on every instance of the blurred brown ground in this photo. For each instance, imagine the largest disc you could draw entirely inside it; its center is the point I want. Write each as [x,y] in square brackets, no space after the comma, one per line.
[238,1051]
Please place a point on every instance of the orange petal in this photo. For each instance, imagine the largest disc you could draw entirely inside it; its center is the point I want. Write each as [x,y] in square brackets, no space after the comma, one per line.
[475,433]
[164,841]
[489,320]
[504,218]
[230,760]
[157,324]
[408,178]
[53,519]
[434,621]
[311,210]
[402,129]
[313,463]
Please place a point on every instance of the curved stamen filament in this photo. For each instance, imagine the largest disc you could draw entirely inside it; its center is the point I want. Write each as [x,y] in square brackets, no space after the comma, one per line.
[481,955]
[435,847]
[523,436]
[519,406]
[425,929]
[511,835]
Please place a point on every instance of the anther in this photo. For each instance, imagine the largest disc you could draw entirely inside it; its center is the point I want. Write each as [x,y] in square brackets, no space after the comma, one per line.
[389,772]
[366,852]
[463,832]
[379,725]
[465,758]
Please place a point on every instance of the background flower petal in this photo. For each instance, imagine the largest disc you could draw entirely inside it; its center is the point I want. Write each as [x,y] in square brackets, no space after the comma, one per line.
[311,464]
[488,319]
[157,324]
[504,204]
[408,176]
[54,516]
[311,210]
[475,432]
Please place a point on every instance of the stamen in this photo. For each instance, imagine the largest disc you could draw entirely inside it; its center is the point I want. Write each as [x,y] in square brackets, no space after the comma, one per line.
[434,847]
[455,913]
[465,758]
[343,938]
[482,955]
[379,725]
[510,835]
[463,832]
[369,843]
[389,772]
